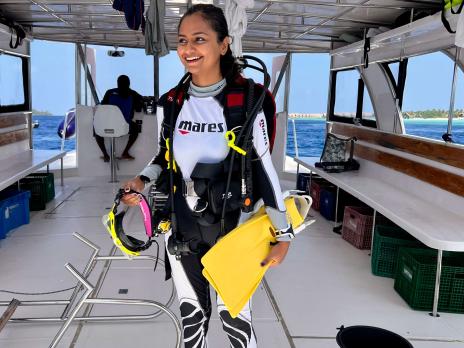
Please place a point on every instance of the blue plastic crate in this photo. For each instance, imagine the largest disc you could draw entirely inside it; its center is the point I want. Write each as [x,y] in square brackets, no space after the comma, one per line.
[328,199]
[327,204]
[14,210]
[302,182]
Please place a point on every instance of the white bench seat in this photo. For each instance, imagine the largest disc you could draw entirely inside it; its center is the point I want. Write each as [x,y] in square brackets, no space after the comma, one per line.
[23,163]
[433,223]
[430,214]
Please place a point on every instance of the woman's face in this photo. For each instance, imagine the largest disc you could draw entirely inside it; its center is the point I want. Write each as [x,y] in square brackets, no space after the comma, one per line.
[199,50]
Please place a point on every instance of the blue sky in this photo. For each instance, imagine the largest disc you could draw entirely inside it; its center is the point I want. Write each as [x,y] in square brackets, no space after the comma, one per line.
[52,66]
[53,75]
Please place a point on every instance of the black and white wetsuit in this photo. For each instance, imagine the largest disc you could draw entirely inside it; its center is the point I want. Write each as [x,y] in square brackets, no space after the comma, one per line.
[199,136]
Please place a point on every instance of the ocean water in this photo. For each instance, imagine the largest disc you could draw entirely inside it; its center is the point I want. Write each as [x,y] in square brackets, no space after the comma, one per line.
[45,137]
[310,133]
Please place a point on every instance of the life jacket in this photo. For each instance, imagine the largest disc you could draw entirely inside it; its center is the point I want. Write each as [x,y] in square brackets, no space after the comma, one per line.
[133,11]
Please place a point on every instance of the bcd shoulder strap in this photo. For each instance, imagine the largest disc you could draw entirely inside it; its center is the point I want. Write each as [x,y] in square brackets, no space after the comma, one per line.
[238,100]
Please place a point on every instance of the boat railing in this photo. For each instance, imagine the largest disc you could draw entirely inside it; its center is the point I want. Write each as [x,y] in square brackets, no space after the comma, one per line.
[90,298]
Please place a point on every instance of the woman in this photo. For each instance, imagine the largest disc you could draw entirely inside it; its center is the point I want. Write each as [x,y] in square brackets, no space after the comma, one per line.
[203,48]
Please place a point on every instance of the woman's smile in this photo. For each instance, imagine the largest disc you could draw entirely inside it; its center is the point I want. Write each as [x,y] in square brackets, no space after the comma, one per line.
[200,50]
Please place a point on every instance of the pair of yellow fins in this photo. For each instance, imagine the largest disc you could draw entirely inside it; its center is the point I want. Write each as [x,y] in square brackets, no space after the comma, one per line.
[233,265]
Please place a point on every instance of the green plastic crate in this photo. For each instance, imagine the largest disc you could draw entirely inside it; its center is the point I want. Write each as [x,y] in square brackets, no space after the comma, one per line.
[49,179]
[415,279]
[38,191]
[387,242]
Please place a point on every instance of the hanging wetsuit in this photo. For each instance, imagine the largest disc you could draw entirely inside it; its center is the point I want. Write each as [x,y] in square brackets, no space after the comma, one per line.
[199,137]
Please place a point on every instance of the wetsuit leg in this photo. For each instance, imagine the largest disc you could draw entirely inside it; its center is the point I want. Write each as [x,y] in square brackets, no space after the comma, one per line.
[239,330]
[194,297]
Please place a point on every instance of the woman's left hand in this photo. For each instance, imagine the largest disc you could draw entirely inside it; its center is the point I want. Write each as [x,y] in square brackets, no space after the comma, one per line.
[276,255]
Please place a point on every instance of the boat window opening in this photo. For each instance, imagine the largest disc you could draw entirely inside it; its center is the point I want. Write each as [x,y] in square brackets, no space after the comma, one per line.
[53,95]
[393,70]
[350,100]
[109,68]
[346,93]
[13,83]
[170,72]
[396,72]
[367,107]
[427,97]
[309,84]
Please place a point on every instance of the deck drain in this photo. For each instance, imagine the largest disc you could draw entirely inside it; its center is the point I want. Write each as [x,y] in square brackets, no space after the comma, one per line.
[123,291]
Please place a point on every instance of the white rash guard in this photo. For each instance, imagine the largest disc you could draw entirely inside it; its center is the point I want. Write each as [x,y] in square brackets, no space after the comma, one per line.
[199,136]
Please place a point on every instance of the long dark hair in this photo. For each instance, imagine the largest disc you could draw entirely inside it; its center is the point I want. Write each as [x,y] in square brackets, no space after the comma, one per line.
[216,19]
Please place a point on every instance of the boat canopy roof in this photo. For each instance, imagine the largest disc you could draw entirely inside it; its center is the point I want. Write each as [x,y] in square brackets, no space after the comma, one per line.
[273,25]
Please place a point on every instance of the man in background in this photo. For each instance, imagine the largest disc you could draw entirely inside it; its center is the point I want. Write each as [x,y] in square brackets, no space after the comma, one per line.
[128,102]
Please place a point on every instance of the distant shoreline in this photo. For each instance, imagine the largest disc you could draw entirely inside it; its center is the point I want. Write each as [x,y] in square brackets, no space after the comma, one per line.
[433,118]
[317,117]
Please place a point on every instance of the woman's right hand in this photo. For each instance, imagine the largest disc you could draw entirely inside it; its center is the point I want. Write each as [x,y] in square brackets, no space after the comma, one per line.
[135,184]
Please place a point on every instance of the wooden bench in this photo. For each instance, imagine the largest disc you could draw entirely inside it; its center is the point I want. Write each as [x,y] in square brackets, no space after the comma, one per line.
[418,186]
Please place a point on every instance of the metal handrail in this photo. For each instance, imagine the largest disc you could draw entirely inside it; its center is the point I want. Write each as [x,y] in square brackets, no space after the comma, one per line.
[295,140]
[67,318]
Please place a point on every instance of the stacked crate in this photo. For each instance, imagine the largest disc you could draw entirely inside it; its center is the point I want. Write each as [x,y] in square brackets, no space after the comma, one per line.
[415,279]
[387,242]
[42,188]
[357,226]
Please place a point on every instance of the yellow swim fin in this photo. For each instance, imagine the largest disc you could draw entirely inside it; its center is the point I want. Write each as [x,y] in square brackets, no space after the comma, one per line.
[232,266]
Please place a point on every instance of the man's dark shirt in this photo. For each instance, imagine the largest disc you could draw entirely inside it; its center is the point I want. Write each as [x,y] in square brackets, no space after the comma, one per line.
[134,102]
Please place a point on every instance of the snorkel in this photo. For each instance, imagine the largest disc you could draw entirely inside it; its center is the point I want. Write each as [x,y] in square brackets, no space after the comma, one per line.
[129,245]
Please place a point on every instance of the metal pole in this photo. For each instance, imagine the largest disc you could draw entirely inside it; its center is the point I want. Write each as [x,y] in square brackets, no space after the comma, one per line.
[287,82]
[156,77]
[336,207]
[8,313]
[63,132]
[61,172]
[113,161]
[86,272]
[68,321]
[77,75]
[295,142]
[437,285]
[281,75]
[373,231]
[453,92]
[86,68]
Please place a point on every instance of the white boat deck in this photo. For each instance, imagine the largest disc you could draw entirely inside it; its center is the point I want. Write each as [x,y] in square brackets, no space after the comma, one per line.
[323,284]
